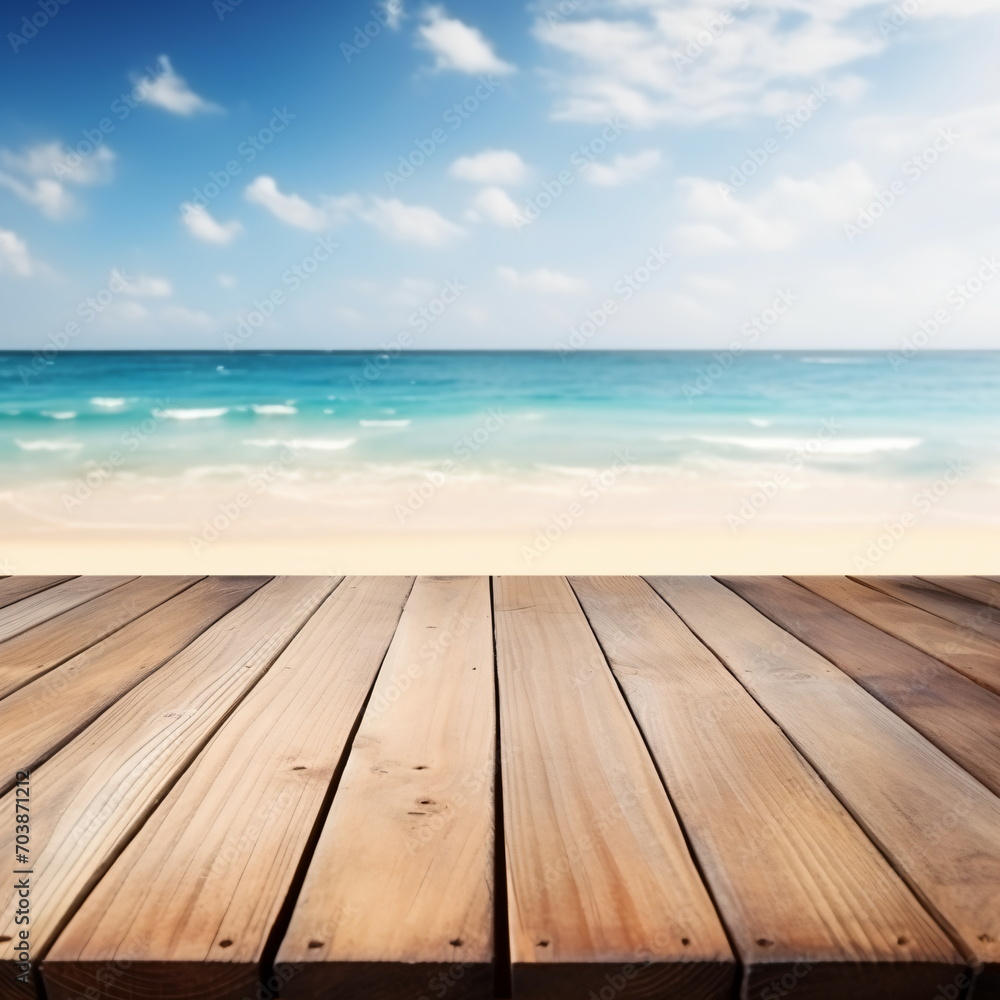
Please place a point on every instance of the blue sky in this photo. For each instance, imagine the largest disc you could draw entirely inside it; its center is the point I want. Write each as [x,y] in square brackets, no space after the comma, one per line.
[602,173]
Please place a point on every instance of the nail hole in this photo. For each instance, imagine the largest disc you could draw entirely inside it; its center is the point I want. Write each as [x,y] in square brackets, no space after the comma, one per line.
[420,767]
[543,944]
[225,944]
[902,940]
[455,942]
[315,944]
[685,941]
[985,938]
[764,943]
[426,802]
[300,767]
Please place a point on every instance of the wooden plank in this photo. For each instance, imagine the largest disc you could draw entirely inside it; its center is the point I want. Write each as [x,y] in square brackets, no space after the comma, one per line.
[47,645]
[966,652]
[978,588]
[953,712]
[42,716]
[937,824]
[967,614]
[796,880]
[193,898]
[16,588]
[400,890]
[600,881]
[30,611]
[94,794]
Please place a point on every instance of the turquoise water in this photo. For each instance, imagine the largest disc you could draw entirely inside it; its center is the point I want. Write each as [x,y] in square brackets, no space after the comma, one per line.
[348,416]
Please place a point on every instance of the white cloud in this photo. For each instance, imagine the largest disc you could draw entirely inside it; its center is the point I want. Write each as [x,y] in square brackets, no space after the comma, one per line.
[142,286]
[543,280]
[393,11]
[456,46]
[169,91]
[202,226]
[623,169]
[492,166]
[48,196]
[289,208]
[131,316]
[182,316]
[412,291]
[778,218]
[123,313]
[411,223]
[14,256]
[227,280]
[46,169]
[494,205]
[651,61]
[61,163]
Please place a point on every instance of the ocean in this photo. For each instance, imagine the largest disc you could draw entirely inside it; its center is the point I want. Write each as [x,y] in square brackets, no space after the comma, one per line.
[477,438]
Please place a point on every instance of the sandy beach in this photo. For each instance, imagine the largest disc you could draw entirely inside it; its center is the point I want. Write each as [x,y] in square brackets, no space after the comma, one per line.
[831,551]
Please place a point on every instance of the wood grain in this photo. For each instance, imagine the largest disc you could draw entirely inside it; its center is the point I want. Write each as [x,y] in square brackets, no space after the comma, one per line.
[16,588]
[400,889]
[953,712]
[30,611]
[42,716]
[191,901]
[94,794]
[965,651]
[796,879]
[937,825]
[600,882]
[47,645]
[978,588]
[967,614]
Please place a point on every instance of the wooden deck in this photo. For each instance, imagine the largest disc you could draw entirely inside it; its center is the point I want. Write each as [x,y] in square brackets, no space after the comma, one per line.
[593,788]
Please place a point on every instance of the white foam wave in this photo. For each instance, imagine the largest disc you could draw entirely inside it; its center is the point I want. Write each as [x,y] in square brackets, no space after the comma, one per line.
[49,445]
[194,414]
[59,415]
[384,423]
[830,446]
[273,409]
[303,444]
[108,402]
